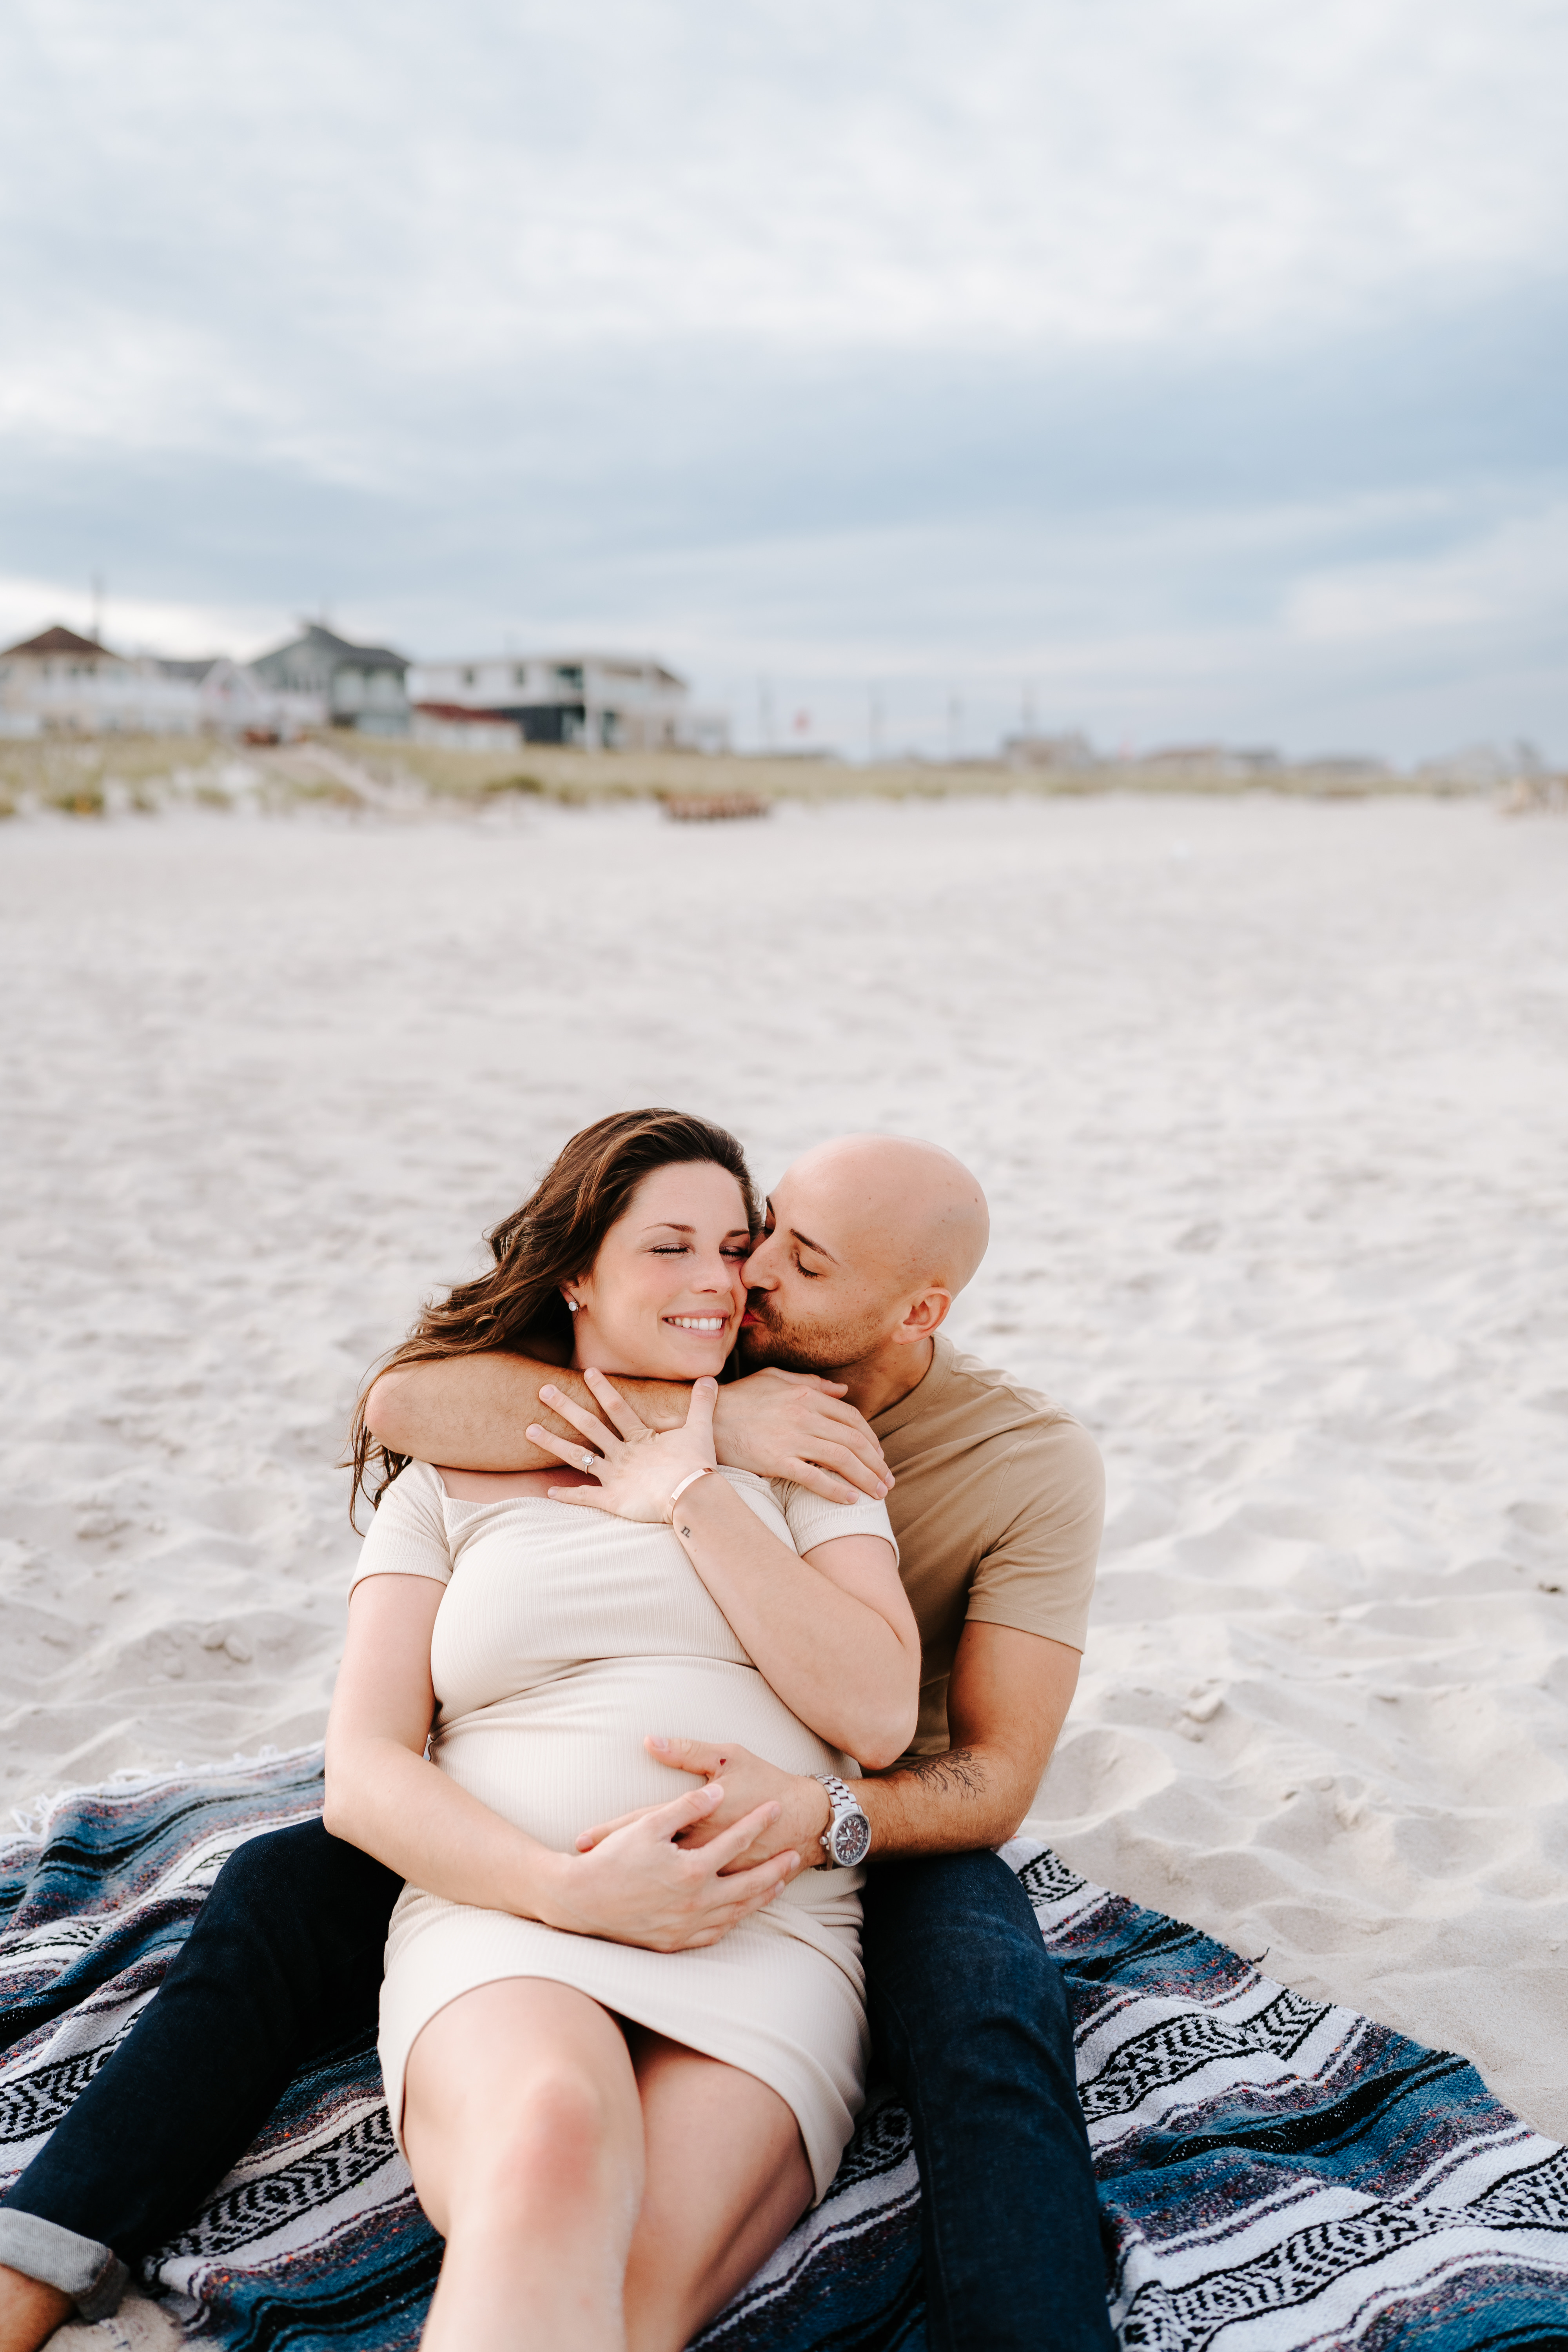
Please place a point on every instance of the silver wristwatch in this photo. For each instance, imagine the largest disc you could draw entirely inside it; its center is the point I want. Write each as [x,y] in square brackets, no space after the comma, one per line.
[846,1840]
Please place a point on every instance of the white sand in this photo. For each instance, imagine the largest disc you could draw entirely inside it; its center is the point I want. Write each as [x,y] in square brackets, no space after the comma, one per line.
[1271,1100]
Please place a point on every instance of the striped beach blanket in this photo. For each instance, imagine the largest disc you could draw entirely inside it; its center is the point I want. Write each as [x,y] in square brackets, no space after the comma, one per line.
[1274,2174]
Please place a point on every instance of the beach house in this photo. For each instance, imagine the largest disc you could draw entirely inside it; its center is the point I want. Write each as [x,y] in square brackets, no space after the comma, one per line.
[362,686]
[59,683]
[607,701]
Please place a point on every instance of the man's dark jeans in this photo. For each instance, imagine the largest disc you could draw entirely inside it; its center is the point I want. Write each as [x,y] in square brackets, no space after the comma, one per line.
[969,2020]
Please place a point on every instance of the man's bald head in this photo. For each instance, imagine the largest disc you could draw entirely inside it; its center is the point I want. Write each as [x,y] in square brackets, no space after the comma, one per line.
[870,1239]
[908,1201]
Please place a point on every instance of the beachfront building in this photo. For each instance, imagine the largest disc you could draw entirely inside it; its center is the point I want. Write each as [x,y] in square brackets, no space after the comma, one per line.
[231,700]
[605,701]
[1066,751]
[362,686]
[59,683]
[453,727]
[1179,763]
[62,684]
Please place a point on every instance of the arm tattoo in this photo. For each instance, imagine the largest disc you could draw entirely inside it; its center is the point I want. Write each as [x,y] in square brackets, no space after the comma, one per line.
[957,1772]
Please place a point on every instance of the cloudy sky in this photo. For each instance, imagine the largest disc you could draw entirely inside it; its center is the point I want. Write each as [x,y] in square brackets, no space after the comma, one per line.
[1174,368]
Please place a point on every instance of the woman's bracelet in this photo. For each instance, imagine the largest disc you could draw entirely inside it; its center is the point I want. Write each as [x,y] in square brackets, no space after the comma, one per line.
[689,1480]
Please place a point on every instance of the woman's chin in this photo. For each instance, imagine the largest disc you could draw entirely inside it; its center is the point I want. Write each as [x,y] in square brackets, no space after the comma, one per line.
[693,1360]
[683,1361]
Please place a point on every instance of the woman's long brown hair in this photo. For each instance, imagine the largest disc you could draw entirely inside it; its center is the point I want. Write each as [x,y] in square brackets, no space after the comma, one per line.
[553,1239]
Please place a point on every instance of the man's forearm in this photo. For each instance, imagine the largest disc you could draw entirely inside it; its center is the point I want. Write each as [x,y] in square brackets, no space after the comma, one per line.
[951,1803]
[1007,1699]
[470,1412]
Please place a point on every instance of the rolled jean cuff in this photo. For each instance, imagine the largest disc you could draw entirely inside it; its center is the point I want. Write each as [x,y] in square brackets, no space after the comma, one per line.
[93,2275]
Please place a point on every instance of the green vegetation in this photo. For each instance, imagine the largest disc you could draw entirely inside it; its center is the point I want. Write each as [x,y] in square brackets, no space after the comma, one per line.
[86,800]
[353,772]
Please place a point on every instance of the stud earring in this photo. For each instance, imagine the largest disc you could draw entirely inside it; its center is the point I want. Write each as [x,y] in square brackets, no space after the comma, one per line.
[572,1308]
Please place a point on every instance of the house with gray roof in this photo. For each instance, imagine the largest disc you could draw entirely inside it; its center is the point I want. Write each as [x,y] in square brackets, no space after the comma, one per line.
[363,687]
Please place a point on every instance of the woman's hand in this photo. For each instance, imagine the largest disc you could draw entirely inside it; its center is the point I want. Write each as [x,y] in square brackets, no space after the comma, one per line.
[641,1884]
[637,1468]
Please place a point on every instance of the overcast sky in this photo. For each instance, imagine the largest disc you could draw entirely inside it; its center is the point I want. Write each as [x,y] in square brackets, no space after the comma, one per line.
[1174,368]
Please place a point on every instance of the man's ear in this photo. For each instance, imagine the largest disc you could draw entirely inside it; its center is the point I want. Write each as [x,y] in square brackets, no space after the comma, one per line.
[922,1316]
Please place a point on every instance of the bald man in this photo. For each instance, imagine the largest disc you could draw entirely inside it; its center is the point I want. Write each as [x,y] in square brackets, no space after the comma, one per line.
[996,1499]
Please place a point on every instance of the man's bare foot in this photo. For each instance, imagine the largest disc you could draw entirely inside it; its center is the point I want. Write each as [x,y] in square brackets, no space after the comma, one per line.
[29,2311]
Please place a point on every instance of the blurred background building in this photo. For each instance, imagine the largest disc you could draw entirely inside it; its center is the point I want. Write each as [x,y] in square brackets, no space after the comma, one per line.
[605,701]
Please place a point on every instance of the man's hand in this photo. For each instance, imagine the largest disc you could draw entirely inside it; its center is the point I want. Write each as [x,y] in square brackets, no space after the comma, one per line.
[795,1425]
[797,1806]
[638,1882]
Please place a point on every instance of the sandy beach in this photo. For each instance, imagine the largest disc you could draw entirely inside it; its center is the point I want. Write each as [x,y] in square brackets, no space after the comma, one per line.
[1271,1100]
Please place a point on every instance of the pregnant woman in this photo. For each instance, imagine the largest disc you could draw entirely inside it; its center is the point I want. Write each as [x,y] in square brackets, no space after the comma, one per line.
[611,2138]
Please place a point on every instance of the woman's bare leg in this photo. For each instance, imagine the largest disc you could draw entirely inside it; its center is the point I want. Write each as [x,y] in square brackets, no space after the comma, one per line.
[524,2132]
[726,2180]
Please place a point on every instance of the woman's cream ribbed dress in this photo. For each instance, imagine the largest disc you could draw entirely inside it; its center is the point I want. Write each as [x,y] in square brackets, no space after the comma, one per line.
[564,1637]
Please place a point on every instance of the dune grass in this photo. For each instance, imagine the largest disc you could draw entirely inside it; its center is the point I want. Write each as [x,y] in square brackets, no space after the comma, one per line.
[119,774]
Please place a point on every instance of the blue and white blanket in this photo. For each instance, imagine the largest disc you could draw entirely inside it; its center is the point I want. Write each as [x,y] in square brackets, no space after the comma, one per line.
[1273,2173]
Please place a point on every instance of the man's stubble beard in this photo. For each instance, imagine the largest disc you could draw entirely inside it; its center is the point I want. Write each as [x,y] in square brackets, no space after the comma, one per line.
[786,1347]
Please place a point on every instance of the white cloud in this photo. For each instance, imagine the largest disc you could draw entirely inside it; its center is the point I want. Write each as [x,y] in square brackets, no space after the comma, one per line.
[470,185]
[1504,577]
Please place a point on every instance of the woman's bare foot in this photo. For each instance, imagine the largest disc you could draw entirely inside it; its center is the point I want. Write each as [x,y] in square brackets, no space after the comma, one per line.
[29,2311]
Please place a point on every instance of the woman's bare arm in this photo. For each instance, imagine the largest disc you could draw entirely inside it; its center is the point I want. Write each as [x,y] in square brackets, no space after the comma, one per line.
[834,1632]
[384,1796]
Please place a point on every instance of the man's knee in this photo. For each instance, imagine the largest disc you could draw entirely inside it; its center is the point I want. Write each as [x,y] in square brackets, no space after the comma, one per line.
[294,1929]
[956,1973]
[957,1927]
[298,1889]
[298,1868]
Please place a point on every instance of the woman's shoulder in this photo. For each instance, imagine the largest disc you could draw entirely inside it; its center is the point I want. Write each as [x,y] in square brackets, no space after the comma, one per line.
[747,1481]
[803,1519]
[407,1536]
[762,1495]
[418,1493]
[813,1520]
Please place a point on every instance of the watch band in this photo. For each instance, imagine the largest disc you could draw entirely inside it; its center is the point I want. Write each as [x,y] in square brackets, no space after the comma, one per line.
[847,1824]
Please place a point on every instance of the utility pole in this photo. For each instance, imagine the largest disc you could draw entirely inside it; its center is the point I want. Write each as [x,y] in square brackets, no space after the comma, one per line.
[96,631]
[873,724]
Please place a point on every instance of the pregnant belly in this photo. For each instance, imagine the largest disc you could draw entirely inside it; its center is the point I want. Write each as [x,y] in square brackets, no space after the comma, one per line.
[569,1752]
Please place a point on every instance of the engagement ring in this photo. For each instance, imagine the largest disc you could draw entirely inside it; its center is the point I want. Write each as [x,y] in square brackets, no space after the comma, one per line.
[589,1460]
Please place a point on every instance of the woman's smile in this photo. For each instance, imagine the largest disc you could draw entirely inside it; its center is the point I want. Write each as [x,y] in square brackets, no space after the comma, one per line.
[696,1322]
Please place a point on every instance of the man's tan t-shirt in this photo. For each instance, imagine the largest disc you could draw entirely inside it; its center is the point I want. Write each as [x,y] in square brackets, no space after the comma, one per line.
[999,1502]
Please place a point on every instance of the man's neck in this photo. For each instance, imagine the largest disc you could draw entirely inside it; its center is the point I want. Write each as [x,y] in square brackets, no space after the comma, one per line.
[884,1379]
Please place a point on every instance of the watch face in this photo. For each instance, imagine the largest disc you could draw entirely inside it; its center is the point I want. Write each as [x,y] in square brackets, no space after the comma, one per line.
[851,1838]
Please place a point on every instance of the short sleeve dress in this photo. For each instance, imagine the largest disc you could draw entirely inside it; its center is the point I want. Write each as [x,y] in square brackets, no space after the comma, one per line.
[563,1638]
